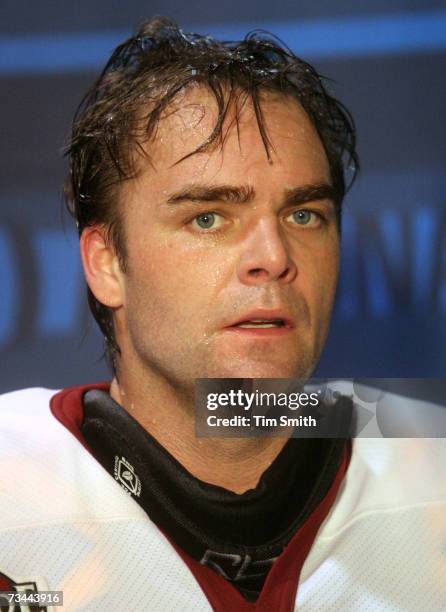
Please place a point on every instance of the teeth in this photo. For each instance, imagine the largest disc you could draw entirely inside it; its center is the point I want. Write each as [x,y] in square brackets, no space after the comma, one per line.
[259,323]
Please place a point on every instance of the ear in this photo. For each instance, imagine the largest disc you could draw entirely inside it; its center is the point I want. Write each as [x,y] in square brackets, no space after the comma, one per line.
[101,267]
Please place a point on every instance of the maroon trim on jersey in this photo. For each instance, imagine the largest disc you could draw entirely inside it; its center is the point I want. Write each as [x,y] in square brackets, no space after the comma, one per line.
[280,588]
[68,408]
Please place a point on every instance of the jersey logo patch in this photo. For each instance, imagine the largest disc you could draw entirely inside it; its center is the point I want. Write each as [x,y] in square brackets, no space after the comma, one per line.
[22,587]
[124,473]
[236,567]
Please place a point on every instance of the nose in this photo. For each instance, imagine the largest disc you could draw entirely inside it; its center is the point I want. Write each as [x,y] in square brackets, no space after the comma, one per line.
[265,256]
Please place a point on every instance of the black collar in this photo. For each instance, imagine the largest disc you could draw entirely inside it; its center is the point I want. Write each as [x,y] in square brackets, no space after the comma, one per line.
[208,522]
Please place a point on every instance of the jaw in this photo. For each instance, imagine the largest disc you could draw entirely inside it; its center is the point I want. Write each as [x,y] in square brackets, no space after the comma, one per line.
[231,354]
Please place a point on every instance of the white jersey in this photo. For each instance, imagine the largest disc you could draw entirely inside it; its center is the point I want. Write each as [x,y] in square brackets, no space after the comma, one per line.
[66,525]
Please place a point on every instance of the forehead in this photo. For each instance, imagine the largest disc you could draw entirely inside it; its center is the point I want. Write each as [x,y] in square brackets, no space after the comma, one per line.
[190,119]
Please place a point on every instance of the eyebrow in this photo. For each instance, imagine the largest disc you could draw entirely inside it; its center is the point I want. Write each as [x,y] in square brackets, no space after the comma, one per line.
[218,193]
[310,193]
[245,194]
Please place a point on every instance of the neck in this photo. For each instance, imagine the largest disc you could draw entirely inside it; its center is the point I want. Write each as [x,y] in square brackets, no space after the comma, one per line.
[169,416]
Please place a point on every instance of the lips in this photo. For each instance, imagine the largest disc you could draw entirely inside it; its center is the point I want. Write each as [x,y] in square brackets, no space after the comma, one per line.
[261,324]
[263,319]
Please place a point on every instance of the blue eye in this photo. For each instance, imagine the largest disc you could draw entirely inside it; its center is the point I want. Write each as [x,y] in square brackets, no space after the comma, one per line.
[305,218]
[207,220]
[302,217]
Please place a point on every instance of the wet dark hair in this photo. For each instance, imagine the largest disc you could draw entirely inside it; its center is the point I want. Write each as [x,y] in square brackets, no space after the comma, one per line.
[143,76]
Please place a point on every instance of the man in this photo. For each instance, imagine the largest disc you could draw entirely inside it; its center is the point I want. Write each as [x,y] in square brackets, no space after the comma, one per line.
[207,181]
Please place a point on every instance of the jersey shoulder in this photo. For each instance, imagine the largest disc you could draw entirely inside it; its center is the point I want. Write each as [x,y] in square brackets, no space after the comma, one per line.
[390,481]
[47,473]
[26,398]
[382,544]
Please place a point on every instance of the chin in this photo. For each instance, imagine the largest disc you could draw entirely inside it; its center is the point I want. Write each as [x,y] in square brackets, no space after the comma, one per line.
[265,370]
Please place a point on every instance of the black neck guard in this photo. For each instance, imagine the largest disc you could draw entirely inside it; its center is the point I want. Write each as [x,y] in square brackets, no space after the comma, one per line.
[208,522]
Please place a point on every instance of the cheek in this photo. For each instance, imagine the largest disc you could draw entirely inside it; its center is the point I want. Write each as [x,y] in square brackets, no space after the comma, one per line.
[171,283]
[321,270]
[329,273]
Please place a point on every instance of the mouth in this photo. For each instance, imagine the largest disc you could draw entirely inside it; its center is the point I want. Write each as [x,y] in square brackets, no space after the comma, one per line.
[263,323]
[260,324]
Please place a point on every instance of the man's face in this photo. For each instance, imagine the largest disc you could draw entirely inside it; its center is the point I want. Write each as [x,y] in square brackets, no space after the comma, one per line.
[232,259]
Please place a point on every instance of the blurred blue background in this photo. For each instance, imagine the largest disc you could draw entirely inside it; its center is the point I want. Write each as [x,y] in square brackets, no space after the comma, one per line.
[388,65]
